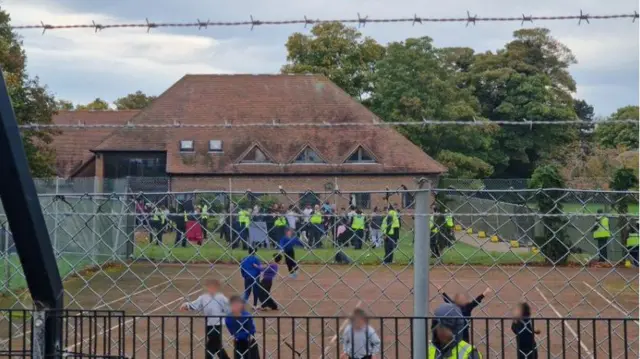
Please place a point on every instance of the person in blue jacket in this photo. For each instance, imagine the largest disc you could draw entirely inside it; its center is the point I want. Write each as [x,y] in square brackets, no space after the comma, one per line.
[287,245]
[242,328]
[250,267]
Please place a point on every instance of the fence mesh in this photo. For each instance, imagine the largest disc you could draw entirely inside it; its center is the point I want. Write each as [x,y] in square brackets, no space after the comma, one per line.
[147,253]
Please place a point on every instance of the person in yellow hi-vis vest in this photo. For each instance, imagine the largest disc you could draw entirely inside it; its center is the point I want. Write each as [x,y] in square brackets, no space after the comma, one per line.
[315,228]
[434,240]
[158,221]
[204,219]
[244,220]
[602,235]
[633,243]
[391,231]
[447,342]
[357,228]
[448,236]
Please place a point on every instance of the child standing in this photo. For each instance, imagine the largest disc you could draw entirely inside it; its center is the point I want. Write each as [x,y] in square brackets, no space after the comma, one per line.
[242,328]
[250,268]
[466,307]
[268,275]
[214,305]
[287,245]
[359,340]
[522,327]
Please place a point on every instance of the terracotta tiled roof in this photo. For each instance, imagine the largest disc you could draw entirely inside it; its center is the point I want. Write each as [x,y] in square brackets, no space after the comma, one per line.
[73,146]
[236,99]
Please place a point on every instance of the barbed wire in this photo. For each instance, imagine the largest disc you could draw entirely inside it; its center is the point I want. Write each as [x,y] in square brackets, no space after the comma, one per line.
[360,20]
[130,125]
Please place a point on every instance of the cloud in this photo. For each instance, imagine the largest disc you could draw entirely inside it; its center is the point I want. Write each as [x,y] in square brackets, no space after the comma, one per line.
[81,65]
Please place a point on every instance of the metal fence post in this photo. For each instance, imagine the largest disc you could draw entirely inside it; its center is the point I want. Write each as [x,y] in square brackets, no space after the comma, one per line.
[421,270]
[56,220]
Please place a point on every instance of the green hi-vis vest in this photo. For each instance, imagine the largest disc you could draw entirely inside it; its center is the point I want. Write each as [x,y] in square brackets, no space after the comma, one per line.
[432,226]
[204,214]
[186,217]
[357,222]
[280,222]
[462,351]
[449,219]
[395,223]
[158,215]
[244,218]
[316,218]
[633,240]
[603,228]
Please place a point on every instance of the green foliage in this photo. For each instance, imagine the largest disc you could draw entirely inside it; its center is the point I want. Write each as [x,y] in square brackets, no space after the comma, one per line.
[64,105]
[338,52]
[553,243]
[96,105]
[620,134]
[414,81]
[249,200]
[32,102]
[527,80]
[133,101]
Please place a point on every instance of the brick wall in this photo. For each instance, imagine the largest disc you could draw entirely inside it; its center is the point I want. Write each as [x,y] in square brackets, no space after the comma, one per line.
[296,185]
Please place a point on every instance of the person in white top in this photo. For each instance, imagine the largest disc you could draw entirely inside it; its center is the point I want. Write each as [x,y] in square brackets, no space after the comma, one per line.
[292,218]
[215,306]
[306,215]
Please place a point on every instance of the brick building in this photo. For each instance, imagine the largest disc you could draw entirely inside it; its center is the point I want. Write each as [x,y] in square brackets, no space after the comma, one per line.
[302,158]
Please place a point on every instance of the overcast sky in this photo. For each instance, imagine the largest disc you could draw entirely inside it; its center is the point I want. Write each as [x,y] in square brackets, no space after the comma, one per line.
[79,65]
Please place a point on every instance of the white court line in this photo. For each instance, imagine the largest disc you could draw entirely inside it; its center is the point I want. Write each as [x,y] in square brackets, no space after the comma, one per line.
[69,348]
[326,349]
[5,340]
[570,328]
[608,301]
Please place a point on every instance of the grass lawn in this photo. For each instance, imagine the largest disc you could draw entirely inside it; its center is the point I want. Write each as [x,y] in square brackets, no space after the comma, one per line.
[215,252]
[593,208]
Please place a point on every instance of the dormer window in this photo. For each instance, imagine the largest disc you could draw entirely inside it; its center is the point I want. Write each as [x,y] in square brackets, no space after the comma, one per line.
[186,146]
[256,155]
[215,146]
[308,155]
[360,155]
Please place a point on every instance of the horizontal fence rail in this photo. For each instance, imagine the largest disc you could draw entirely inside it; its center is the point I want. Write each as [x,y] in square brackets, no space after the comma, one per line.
[113,334]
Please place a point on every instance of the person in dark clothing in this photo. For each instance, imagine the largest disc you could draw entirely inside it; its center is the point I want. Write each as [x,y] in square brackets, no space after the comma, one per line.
[242,328]
[466,308]
[522,327]
[287,246]
[179,218]
[268,275]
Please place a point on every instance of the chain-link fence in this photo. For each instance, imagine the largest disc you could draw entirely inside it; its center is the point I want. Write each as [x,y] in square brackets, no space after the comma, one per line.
[147,253]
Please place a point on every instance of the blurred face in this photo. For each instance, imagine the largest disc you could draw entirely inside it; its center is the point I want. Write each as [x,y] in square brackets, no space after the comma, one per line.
[237,307]
[212,288]
[443,335]
[289,233]
[517,312]
[460,299]
[358,321]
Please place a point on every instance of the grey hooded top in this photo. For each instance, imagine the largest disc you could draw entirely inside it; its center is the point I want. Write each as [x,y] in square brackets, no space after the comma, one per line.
[449,316]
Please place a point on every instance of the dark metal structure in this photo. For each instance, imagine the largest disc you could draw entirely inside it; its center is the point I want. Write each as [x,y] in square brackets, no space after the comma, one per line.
[116,335]
[22,208]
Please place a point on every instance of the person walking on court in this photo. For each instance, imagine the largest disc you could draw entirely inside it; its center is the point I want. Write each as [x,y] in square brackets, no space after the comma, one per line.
[466,308]
[250,268]
[359,339]
[243,329]
[287,246]
[268,276]
[391,231]
[522,327]
[602,235]
[215,306]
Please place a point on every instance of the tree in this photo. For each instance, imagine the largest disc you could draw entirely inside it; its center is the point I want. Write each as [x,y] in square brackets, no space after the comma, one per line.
[552,243]
[32,102]
[96,105]
[414,81]
[64,105]
[624,179]
[134,101]
[620,134]
[526,80]
[338,52]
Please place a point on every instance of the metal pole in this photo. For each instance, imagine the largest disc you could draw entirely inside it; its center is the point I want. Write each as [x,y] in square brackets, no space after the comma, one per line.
[56,219]
[421,257]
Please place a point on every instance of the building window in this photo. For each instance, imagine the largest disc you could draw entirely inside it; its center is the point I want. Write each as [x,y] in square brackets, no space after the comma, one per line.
[215,146]
[186,146]
[407,200]
[256,155]
[360,200]
[308,198]
[308,155]
[360,156]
